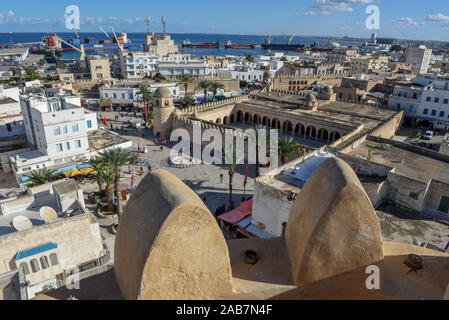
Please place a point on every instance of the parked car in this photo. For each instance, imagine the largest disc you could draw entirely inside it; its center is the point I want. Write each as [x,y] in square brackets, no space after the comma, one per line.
[428,135]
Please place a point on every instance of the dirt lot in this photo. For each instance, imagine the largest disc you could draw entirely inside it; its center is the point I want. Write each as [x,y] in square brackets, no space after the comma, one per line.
[401,226]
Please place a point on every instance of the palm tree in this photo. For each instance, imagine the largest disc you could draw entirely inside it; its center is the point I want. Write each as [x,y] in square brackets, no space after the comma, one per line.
[105,176]
[231,172]
[204,85]
[287,147]
[185,80]
[115,159]
[146,95]
[42,176]
[215,86]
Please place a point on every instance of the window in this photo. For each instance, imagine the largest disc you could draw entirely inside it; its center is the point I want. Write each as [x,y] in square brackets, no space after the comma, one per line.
[24,266]
[436,100]
[131,96]
[428,99]
[446,101]
[123,96]
[53,259]
[441,113]
[67,145]
[64,130]
[78,144]
[75,128]
[105,95]
[115,95]
[57,131]
[434,112]
[426,111]
[414,195]
[44,262]
[89,124]
[410,109]
[59,147]
[34,266]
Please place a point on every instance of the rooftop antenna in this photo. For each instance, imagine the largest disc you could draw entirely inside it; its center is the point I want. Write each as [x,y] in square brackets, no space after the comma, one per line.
[164,22]
[147,22]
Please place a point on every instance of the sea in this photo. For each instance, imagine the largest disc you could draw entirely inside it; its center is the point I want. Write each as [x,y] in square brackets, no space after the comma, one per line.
[137,39]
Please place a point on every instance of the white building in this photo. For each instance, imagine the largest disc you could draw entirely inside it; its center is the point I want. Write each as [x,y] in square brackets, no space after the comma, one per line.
[419,56]
[128,95]
[11,119]
[49,247]
[180,67]
[407,99]
[244,73]
[137,65]
[434,105]
[12,55]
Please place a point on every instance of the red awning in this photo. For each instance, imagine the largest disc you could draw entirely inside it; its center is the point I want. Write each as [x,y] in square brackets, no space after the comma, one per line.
[238,214]
[140,106]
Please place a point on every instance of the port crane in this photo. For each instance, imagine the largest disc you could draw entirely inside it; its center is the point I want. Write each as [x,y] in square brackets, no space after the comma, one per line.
[118,42]
[107,35]
[83,54]
[269,39]
[289,39]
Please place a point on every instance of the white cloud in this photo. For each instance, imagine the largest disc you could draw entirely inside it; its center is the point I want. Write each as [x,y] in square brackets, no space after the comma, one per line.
[314,13]
[437,17]
[410,22]
[10,13]
[327,7]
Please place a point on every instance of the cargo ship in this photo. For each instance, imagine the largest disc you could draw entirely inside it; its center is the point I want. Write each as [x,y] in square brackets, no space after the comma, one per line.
[94,44]
[268,45]
[229,45]
[188,44]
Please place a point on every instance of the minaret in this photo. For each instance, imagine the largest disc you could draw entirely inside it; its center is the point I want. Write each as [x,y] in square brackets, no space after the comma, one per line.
[162,112]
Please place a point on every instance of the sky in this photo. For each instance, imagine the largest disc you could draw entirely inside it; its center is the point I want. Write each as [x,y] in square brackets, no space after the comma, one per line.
[405,19]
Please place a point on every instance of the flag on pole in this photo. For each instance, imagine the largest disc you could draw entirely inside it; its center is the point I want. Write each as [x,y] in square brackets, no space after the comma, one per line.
[246,178]
[105,122]
[146,113]
[132,180]
[269,165]
[138,150]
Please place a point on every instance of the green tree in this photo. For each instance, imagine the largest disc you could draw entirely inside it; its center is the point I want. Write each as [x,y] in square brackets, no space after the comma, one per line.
[115,159]
[188,101]
[215,86]
[147,97]
[42,176]
[185,80]
[249,58]
[105,179]
[243,84]
[159,77]
[205,86]
[41,62]
[286,148]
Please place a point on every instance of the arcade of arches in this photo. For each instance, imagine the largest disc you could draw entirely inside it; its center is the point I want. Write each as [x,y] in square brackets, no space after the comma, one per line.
[295,128]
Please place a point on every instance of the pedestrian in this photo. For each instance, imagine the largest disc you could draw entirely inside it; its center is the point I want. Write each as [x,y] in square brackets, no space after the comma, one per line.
[162,148]
[141,171]
[149,166]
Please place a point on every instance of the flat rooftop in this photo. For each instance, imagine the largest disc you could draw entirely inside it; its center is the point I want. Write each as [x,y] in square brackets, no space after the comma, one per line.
[405,162]
[294,178]
[103,139]
[29,206]
[349,114]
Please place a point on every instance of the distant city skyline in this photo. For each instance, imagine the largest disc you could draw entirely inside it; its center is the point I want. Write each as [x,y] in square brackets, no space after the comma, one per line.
[403,19]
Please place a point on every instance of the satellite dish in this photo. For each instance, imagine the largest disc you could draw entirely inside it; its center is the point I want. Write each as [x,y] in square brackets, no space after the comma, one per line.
[48,214]
[22,223]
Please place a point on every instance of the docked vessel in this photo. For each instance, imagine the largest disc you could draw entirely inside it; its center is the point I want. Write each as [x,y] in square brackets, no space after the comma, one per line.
[288,46]
[229,45]
[188,44]
[94,44]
